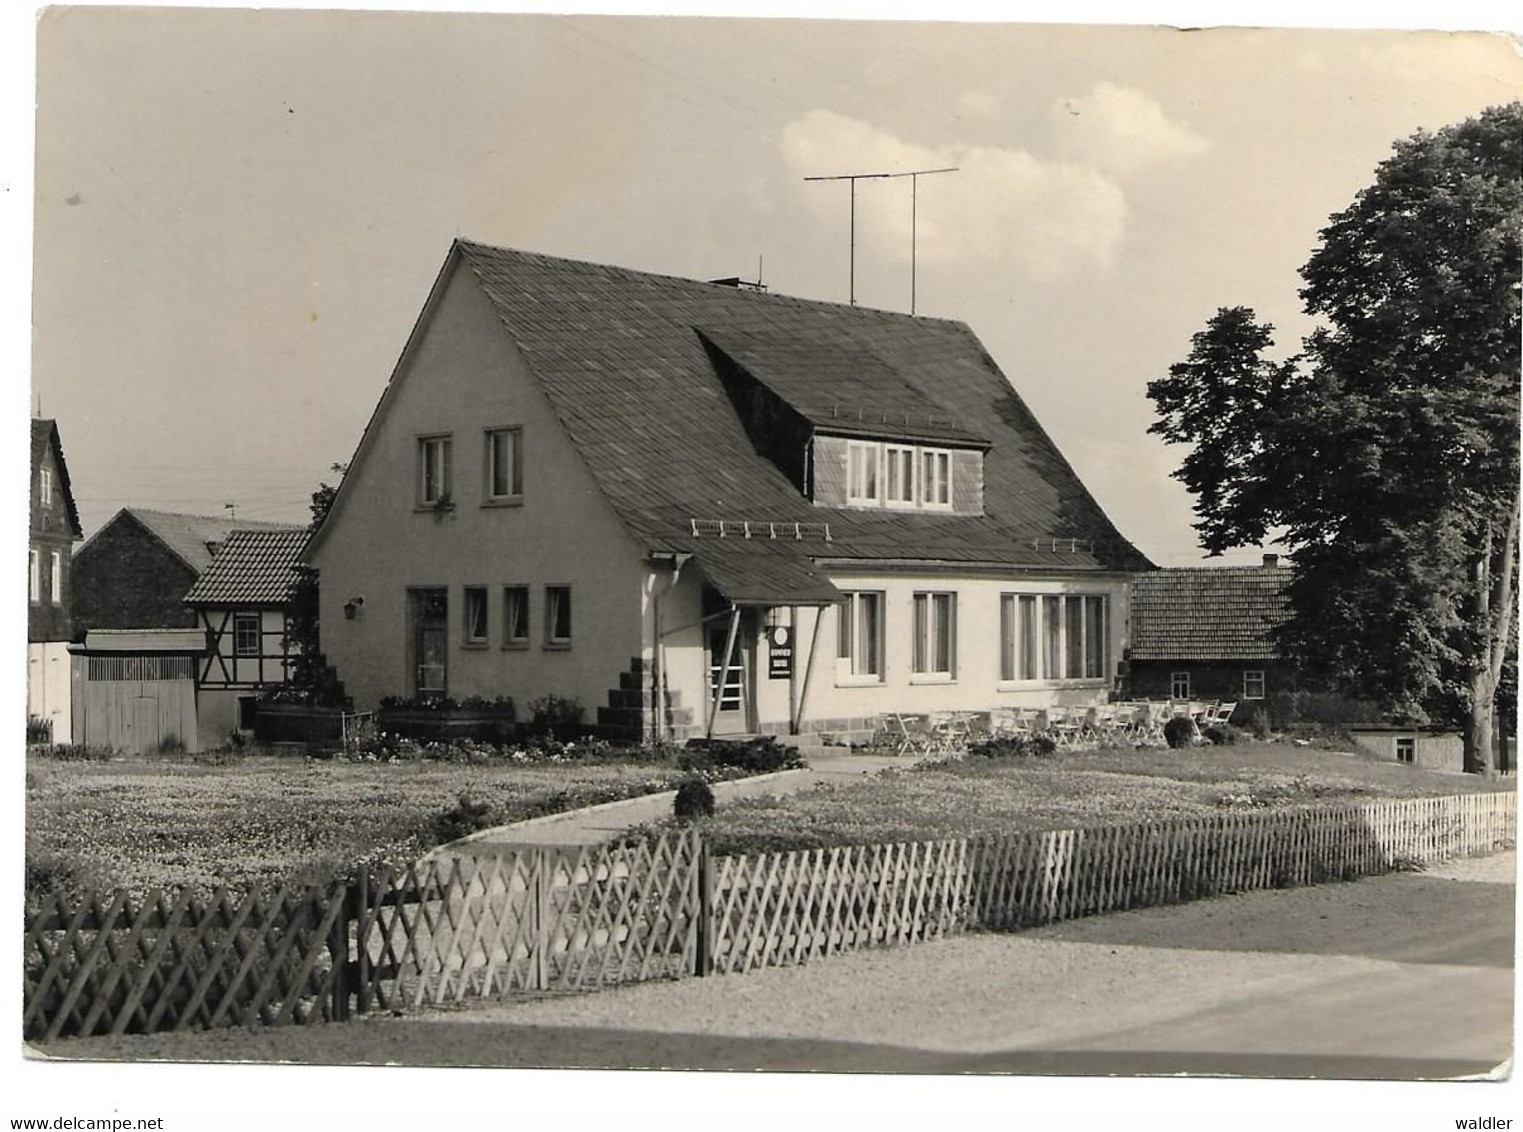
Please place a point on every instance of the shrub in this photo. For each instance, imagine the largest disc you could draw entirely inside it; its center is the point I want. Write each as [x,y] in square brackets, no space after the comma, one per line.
[1179,732]
[560,716]
[38,730]
[694,800]
[1222,735]
[76,753]
[1258,723]
[1013,746]
[465,817]
[756,756]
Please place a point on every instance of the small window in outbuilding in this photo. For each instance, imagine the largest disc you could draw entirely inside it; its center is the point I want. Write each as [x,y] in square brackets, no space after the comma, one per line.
[1406,748]
[1253,684]
[246,632]
[1179,685]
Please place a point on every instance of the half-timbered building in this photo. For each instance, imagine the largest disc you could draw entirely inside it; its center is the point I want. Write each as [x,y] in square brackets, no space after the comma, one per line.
[242,602]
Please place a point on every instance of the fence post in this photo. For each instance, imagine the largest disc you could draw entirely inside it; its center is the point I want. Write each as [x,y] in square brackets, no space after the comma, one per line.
[362,942]
[539,911]
[703,959]
[338,956]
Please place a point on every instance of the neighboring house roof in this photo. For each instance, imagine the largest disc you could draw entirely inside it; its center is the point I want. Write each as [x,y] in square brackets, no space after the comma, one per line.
[254,567]
[195,539]
[622,358]
[143,640]
[43,432]
[1208,612]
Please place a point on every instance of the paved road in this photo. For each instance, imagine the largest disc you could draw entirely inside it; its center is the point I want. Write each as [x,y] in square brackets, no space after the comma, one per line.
[1398,977]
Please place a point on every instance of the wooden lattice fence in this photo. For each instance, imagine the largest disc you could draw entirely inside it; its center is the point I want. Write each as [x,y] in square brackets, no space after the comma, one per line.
[544,919]
[114,965]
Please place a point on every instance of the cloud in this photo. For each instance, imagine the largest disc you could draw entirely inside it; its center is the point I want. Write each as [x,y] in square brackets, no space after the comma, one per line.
[977,104]
[1121,130]
[1004,205]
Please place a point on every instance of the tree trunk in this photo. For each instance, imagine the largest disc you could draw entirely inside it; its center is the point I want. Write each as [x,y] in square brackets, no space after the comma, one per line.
[1494,606]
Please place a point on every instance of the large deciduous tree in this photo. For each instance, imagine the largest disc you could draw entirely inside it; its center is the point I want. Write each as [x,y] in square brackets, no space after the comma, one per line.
[1385,454]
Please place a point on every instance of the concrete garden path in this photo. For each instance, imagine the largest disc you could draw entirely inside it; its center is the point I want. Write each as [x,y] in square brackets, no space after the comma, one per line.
[596,824]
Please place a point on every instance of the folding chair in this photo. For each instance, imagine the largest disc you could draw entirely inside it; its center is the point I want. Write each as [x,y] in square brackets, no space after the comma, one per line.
[1065,725]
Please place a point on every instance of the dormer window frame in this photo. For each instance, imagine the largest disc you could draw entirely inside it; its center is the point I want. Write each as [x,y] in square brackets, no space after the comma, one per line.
[864,473]
[880,473]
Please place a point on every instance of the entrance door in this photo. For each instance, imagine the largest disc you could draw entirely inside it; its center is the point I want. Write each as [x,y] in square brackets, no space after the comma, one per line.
[428,641]
[736,706]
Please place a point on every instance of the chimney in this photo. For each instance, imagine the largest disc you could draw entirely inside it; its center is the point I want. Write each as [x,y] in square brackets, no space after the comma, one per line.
[1271,560]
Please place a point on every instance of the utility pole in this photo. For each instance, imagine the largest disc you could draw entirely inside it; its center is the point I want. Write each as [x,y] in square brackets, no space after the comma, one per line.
[914,175]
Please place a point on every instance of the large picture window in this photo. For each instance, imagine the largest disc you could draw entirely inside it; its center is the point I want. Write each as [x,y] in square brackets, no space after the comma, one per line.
[934,650]
[1054,636]
[859,637]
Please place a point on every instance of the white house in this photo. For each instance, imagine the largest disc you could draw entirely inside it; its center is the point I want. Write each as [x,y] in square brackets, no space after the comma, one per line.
[777,515]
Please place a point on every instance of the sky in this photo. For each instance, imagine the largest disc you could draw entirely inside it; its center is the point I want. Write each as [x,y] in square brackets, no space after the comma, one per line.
[238,214]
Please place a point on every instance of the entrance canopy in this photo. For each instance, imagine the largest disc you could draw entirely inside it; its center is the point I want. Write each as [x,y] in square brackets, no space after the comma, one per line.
[767,572]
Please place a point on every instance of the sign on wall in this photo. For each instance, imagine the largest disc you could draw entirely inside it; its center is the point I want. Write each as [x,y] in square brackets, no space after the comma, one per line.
[779,652]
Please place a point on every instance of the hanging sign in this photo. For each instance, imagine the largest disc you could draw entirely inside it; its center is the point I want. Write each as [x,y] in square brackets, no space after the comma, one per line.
[779,652]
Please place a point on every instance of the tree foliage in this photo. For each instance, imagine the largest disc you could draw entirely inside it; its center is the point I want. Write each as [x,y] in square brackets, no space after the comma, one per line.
[311,678]
[1385,454]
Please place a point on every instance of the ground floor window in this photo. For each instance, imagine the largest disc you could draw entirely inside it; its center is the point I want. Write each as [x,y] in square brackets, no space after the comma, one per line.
[934,651]
[1406,748]
[558,616]
[1179,685]
[1253,684]
[859,636]
[515,616]
[475,615]
[1054,636]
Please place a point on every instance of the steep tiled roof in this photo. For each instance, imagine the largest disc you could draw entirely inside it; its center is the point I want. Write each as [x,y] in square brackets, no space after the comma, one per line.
[1208,612]
[195,538]
[619,355]
[254,567]
[43,431]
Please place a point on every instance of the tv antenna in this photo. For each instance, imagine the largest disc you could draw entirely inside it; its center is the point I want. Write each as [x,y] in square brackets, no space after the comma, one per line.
[914,175]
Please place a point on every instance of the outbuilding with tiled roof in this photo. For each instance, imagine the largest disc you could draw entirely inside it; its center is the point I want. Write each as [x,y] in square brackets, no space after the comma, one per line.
[243,602]
[1208,631]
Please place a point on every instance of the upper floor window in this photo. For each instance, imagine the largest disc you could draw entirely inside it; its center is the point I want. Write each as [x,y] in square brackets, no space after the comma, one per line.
[45,486]
[880,474]
[245,634]
[434,454]
[505,464]
[55,579]
[862,472]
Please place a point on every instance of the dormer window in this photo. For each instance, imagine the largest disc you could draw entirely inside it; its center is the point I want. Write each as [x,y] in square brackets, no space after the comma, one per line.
[862,459]
[901,476]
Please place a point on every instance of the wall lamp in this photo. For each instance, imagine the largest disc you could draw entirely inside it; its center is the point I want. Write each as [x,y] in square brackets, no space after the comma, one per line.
[352,608]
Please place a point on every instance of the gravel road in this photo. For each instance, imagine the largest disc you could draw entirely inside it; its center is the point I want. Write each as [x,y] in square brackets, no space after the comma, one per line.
[1402,976]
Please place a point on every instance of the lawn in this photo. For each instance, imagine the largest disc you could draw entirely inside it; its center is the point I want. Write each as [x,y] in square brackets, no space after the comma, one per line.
[143,823]
[1065,790]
